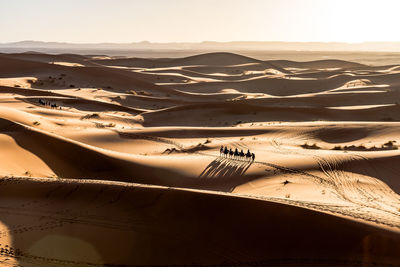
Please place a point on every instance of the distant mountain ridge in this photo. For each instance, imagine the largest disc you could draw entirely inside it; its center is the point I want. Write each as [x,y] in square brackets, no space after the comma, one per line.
[211,46]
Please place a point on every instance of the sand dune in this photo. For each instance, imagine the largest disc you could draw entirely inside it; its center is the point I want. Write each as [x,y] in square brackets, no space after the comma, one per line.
[53,76]
[227,231]
[318,64]
[126,169]
[47,58]
[236,114]
[273,86]
[69,158]
[203,59]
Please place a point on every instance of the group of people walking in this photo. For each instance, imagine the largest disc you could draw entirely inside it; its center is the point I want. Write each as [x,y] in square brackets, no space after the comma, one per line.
[45,103]
[235,154]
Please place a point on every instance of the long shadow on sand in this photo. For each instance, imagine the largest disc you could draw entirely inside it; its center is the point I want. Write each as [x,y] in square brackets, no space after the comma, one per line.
[227,173]
[223,167]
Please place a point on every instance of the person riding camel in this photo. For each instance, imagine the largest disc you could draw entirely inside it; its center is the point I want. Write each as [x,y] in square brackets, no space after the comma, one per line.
[226,151]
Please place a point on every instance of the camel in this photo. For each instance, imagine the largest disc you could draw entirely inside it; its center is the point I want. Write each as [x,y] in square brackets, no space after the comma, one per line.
[236,154]
[226,151]
[229,153]
[241,154]
[248,155]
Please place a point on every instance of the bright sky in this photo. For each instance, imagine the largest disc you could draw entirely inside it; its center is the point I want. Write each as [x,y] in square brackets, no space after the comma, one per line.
[125,21]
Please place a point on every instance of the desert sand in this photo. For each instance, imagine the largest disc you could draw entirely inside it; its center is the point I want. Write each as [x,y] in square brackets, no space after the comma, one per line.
[126,170]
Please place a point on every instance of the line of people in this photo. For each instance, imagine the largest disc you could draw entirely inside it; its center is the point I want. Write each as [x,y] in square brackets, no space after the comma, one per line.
[44,103]
[235,154]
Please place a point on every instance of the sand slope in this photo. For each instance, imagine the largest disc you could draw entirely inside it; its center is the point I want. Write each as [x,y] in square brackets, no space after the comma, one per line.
[73,217]
[75,180]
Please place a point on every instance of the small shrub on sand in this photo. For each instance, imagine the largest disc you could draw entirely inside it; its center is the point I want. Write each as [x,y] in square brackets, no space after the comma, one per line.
[90,116]
[111,124]
[353,147]
[390,145]
[171,150]
[36,123]
[307,146]
[287,195]
[99,125]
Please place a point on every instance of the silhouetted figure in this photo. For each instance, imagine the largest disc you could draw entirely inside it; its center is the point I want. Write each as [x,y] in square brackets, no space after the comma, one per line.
[41,102]
[230,152]
[253,156]
[226,151]
[221,150]
[248,155]
[53,105]
[236,154]
[241,154]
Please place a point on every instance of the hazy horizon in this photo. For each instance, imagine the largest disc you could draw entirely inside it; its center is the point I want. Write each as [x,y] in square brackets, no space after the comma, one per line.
[196,42]
[156,21]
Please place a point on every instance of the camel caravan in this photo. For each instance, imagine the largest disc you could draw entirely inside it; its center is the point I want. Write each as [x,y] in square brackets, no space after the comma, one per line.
[229,153]
[44,103]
